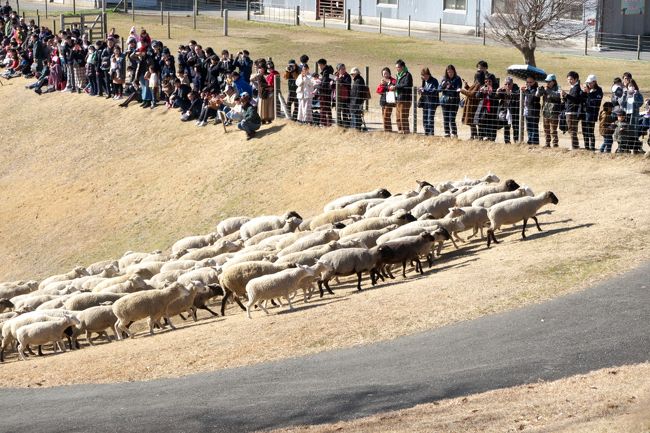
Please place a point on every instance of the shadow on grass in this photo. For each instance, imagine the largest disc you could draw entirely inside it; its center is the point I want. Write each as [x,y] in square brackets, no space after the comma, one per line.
[269,131]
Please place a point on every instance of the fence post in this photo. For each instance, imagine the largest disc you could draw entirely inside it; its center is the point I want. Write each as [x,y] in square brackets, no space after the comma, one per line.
[336,102]
[360,17]
[126,6]
[414,105]
[221,8]
[367,80]
[46,1]
[381,16]
[194,14]
[132,10]
[586,41]
[409,26]
[348,17]
[440,29]
[484,34]
[298,15]
[122,43]
[638,47]
[521,117]
[61,21]
[38,19]
[197,6]
[276,91]
[18,6]
[54,26]
[225,22]
[74,7]
[248,10]
[323,20]
[169,27]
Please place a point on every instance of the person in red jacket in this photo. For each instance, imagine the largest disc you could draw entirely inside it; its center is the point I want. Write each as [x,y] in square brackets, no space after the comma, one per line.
[386,107]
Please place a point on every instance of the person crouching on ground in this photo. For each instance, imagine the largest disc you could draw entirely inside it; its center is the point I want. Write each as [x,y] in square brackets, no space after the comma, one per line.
[251,121]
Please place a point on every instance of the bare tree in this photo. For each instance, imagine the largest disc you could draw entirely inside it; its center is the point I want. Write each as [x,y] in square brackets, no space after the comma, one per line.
[522,23]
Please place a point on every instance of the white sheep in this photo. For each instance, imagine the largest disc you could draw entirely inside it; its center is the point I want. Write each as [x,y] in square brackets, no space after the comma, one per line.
[376,210]
[178,265]
[369,237]
[488,178]
[231,225]
[100,284]
[342,202]
[290,226]
[15,288]
[160,280]
[349,261]
[208,276]
[99,267]
[145,269]
[134,284]
[409,203]
[220,247]
[470,217]
[436,206]
[193,242]
[131,257]
[79,271]
[466,198]
[83,301]
[54,303]
[265,223]
[98,320]
[31,301]
[337,215]
[492,199]
[252,256]
[151,304]
[377,223]
[185,301]
[279,284]
[309,241]
[311,255]
[41,333]
[515,210]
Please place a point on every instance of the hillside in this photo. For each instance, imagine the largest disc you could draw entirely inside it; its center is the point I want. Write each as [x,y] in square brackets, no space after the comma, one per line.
[91,185]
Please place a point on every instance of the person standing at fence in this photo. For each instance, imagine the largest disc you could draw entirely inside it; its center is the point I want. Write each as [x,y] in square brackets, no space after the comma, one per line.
[305,95]
[531,110]
[78,57]
[403,89]
[551,108]
[631,101]
[508,114]
[450,86]
[359,94]
[606,127]
[270,81]
[324,93]
[341,87]
[38,51]
[386,107]
[486,112]
[573,100]
[593,99]
[429,100]
[66,57]
[291,73]
[118,72]
[471,102]
[244,64]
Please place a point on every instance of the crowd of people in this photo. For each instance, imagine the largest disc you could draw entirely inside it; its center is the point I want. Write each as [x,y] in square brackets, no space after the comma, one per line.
[204,85]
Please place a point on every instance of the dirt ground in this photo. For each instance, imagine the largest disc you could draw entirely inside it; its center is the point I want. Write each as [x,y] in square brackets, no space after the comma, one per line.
[77,194]
[611,400]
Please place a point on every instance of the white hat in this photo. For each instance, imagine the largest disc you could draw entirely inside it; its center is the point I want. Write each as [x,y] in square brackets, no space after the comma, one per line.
[591,79]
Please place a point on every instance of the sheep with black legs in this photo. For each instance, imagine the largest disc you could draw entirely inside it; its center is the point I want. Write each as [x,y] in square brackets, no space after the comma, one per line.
[193,242]
[309,241]
[515,210]
[265,223]
[342,202]
[349,261]
[470,217]
[290,226]
[492,199]
[96,320]
[409,203]
[83,301]
[377,223]
[407,249]
[436,206]
[311,255]
[466,198]
[51,331]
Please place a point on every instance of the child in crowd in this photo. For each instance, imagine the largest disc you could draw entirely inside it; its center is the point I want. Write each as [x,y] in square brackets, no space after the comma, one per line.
[154,85]
[606,127]
[623,134]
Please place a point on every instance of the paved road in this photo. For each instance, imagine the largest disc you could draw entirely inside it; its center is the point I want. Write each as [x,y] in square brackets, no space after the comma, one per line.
[604,326]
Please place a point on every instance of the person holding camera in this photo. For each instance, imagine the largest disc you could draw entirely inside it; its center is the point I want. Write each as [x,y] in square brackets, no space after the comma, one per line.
[305,88]
[532,108]
[291,73]
[508,114]
[450,88]
[386,106]
[403,89]
[244,64]
[551,109]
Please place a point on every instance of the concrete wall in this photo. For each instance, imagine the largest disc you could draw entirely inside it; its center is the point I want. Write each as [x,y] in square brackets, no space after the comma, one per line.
[613,21]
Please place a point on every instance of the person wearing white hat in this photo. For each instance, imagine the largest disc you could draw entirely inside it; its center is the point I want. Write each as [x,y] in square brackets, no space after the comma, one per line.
[593,99]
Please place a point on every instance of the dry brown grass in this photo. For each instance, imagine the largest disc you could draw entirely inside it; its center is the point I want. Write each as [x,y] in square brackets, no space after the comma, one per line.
[611,400]
[74,195]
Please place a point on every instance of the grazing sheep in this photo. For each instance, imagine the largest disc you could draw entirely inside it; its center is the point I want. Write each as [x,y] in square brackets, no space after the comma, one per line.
[193,242]
[99,267]
[54,303]
[134,284]
[349,261]
[515,210]
[410,248]
[130,258]
[207,276]
[369,237]
[471,218]
[220,247]
[279,284]
[145,269]
[376,210]
[83,301]
[436,206]
[252,256]
[342,202]
[417,227]
[377,223]
[337,215]
[488,178]
[231,225]
[233,280]
[31,302]
[265,223]
[201,299]
[178,265]
[150,304]
[98,320]
[16,288]
[40,333]
[466,198]
[79,271]
[98,285]
[311,255]
[283,239]
[160,280]
[309,241]
[289,226]
[492,199]
[409,203]
[185,301]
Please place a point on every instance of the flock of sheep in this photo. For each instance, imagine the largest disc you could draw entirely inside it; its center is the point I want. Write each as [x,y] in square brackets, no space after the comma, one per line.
[260,259]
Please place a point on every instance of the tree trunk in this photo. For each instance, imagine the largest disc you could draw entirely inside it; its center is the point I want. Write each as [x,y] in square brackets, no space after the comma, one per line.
[529,55]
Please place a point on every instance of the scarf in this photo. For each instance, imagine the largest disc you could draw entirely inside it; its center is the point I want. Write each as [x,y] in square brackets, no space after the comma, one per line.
[400,75]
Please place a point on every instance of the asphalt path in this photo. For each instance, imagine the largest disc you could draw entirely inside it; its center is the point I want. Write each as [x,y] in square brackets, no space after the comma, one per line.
[601,327]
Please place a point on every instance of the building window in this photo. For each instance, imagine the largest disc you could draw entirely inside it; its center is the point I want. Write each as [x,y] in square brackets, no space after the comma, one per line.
[455,5]
[387,2]
[504,6]
[510,6]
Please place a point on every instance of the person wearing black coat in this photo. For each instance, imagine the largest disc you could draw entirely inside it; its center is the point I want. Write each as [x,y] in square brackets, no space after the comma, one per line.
[508,114]
[403,96]
[324,93]
[341,94]
[429,100]
[573,100]
[532,108]
[358,95]
[593,98]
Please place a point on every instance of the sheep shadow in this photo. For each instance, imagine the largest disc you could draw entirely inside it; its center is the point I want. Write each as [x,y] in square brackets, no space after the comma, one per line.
[540,235]
[314,303]
[269,131]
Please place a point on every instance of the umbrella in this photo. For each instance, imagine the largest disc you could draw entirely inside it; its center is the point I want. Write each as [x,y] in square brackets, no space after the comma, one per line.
[525,71]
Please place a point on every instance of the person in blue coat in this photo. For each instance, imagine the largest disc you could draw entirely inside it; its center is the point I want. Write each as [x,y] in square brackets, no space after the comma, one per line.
[450,86]
[429,100]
